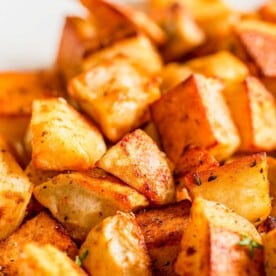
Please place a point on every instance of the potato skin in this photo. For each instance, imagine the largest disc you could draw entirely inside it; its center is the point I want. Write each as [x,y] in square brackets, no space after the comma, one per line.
[41,229]
[15,192]
[81,200]
[162,228]
[137,161]
[44,260]
[241,185]
[188,114]
[116,246]
[59,130]
[269,241]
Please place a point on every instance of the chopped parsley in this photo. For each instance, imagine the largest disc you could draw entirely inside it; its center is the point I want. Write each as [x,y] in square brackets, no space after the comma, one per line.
[79,259]
[251,245]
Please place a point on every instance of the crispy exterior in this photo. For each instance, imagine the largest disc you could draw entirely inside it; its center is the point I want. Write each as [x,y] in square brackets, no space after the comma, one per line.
[138,48]
[209,243]
[15,192]
[45,260]
[80,201]
[137,161]
[259,40]
[116,246]
[41,229]
[272,179]
[116,95]
[254,111]
[163,228]
[60,131]
[268,11]
[195,112]
[269,241]
[241,185]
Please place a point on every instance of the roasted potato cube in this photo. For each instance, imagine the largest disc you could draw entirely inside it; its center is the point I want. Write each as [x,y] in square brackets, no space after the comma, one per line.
[269,241]
[116,246]
[112,15]
[172,74]
[77,40]
[137,48]
[212,243]
[116,95]
[137,161]
[259,40]
[183,32]
[268,11]
[62,139]
[41,229]
[45,260]
[195,112]
[272,180]
[163,228]
[80,201]
[254,111]
[222,65]
[15,192]
[242,185]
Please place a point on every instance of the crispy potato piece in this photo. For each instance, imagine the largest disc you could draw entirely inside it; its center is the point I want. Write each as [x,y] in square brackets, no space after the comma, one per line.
[269,241]
[183,32]
[137,161]
[268,11]
[80,201]
[151,131]
[270,84]
[59,130]
[116,246]
[45,260]
[195,112]
[137,48]
[41,229]
[222,65]
[209,244]
[163,228]
[77,40]
[254,112]
[272,179]
[241,185]
[172,74]
[116,95]
[259,40]
[113,14]
[15,192]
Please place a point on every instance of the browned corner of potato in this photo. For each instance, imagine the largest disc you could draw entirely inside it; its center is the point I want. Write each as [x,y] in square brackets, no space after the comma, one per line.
[269,241]
[195,112]
[62,139]
[137,161]
[163,228]
[259,40]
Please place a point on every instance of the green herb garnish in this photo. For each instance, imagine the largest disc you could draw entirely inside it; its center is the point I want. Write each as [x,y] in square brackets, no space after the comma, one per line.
[251,244]
[79,259]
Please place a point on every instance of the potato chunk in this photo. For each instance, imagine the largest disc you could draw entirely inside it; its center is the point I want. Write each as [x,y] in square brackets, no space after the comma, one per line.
[80,201]
[269,241]
[116,95]
[41,229]
[138,48]
[45,260]
[254,112]
[272,179]
[137,161]
[15,192]
[62,139]
[162,228]
[259,40]
[211,243]
[241,185]
[195,112]
[116,246]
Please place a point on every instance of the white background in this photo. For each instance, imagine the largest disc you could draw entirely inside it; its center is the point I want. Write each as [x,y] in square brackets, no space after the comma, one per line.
[30,30]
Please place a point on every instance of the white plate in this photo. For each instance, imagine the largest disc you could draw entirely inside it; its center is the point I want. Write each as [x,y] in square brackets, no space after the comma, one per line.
[30,30]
